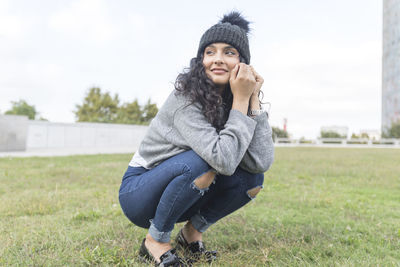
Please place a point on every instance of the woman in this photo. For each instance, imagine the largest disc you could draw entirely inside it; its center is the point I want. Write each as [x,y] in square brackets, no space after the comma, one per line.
[206,151]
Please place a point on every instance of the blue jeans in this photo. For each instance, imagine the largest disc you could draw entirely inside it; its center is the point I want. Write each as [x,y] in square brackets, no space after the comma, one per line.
[160,197]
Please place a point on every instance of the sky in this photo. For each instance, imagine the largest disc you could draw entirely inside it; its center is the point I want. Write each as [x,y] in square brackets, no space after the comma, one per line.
[321,60]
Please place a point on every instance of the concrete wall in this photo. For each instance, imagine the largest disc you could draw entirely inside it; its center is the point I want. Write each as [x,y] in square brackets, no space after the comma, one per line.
[17,133]
[13,132]
[49,135]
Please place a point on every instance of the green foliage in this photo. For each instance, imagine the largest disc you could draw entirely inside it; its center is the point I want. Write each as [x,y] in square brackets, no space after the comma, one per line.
[365,135]
[22,108]
[98,107]
[362,135]
[130,113]
[393,131]
[279,133]
[331,134]
[149,111]
[43,119]
[303,140]
[102,107]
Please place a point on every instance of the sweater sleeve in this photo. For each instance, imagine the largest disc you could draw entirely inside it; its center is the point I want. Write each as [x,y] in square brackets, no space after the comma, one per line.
[223,151]
[260,153]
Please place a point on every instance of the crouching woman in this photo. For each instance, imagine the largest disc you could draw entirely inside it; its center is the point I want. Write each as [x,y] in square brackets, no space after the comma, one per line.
[206,151]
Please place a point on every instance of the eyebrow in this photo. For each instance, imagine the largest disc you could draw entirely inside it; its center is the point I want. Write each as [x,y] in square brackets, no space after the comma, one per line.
[226,47]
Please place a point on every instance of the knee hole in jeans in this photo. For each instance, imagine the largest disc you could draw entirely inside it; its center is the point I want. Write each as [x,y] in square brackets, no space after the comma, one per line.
[203,182]
[252,193]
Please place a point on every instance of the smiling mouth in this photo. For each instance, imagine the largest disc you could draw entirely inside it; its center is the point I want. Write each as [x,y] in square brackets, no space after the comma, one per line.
[219,71]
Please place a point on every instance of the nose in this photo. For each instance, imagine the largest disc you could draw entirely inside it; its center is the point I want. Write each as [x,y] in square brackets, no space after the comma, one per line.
[218,59]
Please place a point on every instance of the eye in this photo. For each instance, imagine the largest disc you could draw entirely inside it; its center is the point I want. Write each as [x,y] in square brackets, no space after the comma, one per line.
[231,52]
[209,52]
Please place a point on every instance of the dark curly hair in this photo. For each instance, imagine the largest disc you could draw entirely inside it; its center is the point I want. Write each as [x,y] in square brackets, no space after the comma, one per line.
[199,88]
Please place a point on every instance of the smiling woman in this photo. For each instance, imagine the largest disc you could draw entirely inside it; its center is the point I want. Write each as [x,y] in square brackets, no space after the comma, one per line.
[206,151]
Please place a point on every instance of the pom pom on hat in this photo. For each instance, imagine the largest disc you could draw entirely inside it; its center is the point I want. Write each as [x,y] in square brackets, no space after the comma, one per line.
[235,18]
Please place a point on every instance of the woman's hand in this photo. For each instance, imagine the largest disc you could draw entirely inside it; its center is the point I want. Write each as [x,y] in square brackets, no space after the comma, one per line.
[242,81]
[259,82]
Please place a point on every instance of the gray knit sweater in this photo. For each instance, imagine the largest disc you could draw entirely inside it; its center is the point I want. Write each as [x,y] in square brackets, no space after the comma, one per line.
[180,126]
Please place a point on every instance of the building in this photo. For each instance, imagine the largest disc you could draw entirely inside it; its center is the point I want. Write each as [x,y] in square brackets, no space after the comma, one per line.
[391,63]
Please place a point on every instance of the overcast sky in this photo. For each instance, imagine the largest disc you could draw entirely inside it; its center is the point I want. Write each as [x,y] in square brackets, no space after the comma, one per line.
[321,60]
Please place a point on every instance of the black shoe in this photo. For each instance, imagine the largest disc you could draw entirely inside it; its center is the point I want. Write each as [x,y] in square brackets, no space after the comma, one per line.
[195,250]
[169,258]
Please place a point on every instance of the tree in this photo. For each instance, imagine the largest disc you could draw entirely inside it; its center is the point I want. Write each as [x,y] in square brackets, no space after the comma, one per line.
[149,112]
[393,131]
[101,107]
[362,135]
[130,113]
[98,107]
[331,134]
[279,133]
[354,136]
[22,108]
[133,113]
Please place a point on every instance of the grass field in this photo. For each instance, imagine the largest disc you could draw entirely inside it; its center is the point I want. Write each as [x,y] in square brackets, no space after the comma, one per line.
[320,207]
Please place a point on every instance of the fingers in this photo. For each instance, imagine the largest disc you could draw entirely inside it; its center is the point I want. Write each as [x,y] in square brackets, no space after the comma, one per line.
[256,75]
[245,71]
[242,81]
[254,71]
[234,72]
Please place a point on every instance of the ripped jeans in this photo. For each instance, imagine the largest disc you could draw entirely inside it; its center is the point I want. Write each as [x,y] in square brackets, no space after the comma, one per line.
[160,197]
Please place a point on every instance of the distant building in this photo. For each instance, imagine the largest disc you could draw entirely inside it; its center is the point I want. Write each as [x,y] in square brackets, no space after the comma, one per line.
[391,63]
[342,130]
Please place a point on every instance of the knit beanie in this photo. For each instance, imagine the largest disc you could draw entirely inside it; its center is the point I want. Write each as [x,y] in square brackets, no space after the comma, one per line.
[231,29]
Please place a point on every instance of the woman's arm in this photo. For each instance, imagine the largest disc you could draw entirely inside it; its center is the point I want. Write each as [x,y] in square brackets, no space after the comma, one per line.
[223,151]
[260,153]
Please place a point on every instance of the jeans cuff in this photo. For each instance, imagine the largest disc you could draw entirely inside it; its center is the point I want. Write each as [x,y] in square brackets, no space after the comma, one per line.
[200,223]
[163,237]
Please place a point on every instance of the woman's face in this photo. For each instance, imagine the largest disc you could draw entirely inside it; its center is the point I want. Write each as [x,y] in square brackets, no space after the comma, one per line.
[219,59]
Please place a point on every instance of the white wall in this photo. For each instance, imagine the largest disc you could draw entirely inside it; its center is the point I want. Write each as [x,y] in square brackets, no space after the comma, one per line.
[50,135]
[13,132]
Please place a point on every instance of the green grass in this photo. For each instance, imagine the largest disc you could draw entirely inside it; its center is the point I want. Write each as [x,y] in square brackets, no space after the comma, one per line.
[320,207]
